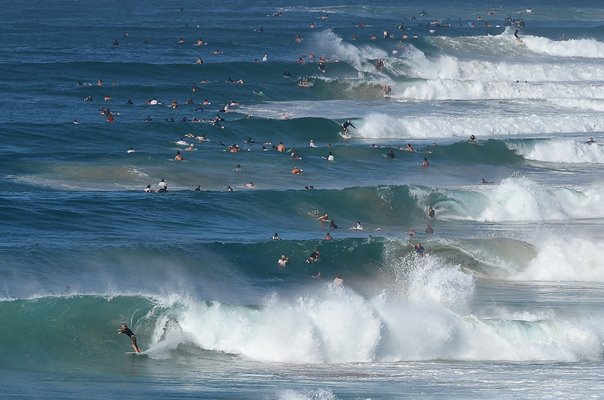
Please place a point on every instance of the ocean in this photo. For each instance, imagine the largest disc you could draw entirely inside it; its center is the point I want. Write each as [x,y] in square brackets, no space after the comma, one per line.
[490,114]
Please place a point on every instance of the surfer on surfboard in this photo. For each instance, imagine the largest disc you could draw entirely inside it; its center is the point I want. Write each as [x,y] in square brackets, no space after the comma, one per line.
[127,331]
[344,129]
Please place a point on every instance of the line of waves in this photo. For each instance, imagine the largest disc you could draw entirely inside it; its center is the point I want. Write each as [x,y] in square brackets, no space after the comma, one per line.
[329,324]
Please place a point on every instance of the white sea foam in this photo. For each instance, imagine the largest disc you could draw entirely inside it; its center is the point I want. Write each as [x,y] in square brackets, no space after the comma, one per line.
[382,126]
[516,199]
[413,63]
[506,44]
[588,48]
[337,325]
[565,259]
[560,151]
[331,45]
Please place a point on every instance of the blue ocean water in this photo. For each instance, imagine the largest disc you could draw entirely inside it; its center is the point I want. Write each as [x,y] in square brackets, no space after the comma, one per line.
[505,303]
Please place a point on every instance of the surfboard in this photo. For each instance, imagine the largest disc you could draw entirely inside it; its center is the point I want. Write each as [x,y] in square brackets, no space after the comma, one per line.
[133,353]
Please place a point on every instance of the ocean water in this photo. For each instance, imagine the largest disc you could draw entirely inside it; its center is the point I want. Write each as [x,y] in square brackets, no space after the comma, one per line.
[506,303]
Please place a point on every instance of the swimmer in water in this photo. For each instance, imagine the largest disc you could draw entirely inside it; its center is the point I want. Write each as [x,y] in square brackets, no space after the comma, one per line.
[314,257]
[162,186]
[419,249]
[425,163]
[283,261]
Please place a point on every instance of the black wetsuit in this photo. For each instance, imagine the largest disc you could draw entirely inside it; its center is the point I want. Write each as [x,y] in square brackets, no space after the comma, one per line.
[128,332]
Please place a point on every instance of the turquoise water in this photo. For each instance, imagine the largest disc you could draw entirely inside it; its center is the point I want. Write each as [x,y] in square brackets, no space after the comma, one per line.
[507,301]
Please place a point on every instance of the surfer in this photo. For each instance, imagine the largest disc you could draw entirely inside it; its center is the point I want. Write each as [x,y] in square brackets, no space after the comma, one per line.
[276,236]
[409,147]
[283,260]
[297,171]
[178,156]
[330,156]
[590,141]
[328,236]
[390,154]
[162,186]
[345,126]
[517,36]
[472,139]
[425,163]
[314,257]
[324,217]
[419,249]
[485,182]
[126,331]
[431,212]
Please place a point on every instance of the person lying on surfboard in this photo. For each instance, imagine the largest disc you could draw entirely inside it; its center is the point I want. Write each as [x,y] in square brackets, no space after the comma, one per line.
[126,331]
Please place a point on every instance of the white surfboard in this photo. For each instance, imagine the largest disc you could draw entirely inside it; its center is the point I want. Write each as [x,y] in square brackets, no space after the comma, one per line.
[134,353]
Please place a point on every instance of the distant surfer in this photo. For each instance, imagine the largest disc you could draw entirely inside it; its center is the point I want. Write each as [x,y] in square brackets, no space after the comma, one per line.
[409,147]
[126,331]
[517,36]
[314,257]
[485,182]
[590,141]
[472,139]
[425,163]
[390,154]
[283,261]
[324,217]
[431,212]
[162,186]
